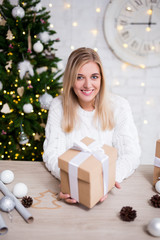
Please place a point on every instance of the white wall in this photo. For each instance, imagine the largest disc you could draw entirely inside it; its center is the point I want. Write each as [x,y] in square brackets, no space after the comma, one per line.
[140,86]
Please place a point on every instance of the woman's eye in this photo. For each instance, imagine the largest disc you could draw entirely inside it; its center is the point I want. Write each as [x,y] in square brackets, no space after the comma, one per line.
[79,77]
[94,77]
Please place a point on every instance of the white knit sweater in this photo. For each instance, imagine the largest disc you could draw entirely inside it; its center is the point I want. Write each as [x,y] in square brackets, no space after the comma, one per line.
[124,136]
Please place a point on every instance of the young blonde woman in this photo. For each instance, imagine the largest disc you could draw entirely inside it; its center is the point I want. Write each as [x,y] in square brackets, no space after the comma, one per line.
[86,109]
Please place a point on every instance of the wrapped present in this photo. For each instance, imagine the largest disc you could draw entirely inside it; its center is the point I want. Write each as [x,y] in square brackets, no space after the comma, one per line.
[88,171]
[156,174]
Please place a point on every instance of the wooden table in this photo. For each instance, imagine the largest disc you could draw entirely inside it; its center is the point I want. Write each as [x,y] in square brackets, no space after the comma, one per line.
[57,220]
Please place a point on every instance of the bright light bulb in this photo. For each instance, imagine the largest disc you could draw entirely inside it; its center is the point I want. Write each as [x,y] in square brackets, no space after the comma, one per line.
[145,122]
[98,10]
[94,32]
[142,84]
[72,47]
[50,5]
[74,24]
[125,45]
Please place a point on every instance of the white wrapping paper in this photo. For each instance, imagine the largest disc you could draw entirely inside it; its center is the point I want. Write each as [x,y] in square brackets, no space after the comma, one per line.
[157,162]
[19,207]
[3,227]
[85,151]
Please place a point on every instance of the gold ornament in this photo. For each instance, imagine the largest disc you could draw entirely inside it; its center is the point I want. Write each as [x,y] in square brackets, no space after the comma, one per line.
[9,65]
[9,35]
[2,21]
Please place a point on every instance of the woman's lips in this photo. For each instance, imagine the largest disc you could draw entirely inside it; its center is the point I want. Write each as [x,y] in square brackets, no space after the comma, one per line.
[87,92]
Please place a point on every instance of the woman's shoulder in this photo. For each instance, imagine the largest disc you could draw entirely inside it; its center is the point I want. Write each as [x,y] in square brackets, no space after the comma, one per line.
[56,103]
[118,103]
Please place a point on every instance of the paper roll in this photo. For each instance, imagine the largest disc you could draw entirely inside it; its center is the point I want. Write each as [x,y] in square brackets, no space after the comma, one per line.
[3,227]
[19,207]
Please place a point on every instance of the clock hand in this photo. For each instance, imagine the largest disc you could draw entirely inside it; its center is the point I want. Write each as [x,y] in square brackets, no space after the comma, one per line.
[150,17]
[143,23]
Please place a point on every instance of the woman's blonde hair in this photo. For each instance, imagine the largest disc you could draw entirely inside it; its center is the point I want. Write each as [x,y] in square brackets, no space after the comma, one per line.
[103,112]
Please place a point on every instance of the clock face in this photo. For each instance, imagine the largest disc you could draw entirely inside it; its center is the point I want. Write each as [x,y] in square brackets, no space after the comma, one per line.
[132,30]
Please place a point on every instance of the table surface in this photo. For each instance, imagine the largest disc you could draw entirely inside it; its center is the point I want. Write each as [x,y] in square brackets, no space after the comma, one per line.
[55,219]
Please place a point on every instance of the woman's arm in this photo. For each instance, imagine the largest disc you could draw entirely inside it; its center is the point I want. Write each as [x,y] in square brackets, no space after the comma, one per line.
[125,139]
[55,139]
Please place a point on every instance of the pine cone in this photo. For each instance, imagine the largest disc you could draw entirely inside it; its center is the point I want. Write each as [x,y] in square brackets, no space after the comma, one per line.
[127,214]
[155,200]
[27,201]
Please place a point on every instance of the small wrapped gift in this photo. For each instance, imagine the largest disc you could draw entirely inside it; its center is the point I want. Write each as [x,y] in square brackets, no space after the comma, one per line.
[156,174]
[88,171]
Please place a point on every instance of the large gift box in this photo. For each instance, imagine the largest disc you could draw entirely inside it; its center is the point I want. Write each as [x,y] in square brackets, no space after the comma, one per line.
[156,174]
[88,171]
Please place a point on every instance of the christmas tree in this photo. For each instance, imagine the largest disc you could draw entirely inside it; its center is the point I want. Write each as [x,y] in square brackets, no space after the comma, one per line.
[30,78]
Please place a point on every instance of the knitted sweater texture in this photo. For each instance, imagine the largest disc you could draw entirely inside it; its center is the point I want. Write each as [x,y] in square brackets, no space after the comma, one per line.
[123,136]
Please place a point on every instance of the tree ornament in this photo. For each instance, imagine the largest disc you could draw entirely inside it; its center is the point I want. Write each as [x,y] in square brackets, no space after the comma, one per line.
[157,186]
[155,201]
[6,109]
[153,227]
[27,201]
[20,91]
[18,12]
[9,65]
[24,67]
[20,190]
[7,176]
[23,139]
[38,47]
[2,21]
[7,204]
[45,100]
[38,7]
[1,85]
[127,214]
[9,35]
[27,108]
[44,37]
[29,40]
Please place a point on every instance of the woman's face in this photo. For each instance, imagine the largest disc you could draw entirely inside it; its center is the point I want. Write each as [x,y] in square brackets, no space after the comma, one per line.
[87,85]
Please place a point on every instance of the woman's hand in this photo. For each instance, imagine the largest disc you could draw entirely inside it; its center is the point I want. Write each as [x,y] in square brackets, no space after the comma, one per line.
[66,197]
[117,185]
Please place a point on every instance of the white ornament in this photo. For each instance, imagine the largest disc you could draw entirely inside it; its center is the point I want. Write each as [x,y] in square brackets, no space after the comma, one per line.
[45,100]
[154,227]
[18,12]
[28,108]
[38,7]
[38,47]
[24,67]
[44,37]
[6,109]
[157,186]
[7,176]
[1,85]
[20,190]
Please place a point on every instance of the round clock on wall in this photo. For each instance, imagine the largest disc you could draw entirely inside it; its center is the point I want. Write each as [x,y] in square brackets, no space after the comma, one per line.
[132,30]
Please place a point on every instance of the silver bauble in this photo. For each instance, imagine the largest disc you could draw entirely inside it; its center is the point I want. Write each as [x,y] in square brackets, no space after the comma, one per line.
[38,47]
[18,12]
[1,85]
[7,204]
[28,108]
[154,227]
[23,139]
[45,100]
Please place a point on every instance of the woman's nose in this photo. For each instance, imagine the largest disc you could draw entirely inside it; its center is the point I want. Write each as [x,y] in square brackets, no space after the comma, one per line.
[87,83]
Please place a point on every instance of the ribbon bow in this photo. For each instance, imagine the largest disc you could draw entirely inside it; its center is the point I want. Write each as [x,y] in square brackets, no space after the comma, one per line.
[85,151]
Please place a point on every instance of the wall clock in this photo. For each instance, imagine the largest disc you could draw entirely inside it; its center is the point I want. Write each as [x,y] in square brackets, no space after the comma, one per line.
[132,31]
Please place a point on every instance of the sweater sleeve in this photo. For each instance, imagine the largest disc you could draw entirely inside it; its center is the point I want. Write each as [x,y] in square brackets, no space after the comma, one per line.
[125,139]
[54,144]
